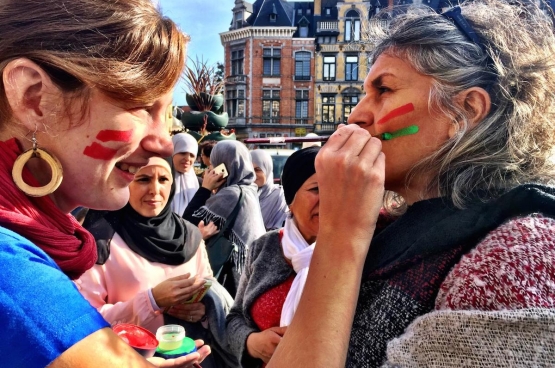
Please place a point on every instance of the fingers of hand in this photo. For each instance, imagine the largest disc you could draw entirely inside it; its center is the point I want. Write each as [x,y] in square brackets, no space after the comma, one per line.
[185,276]
[186,281]
[185,293]
[279,330]
[353,160]
[204,351]
[270,346]
[211,226]
[191,308]
[271,337]
[342,135]
[188,359]
[185,316]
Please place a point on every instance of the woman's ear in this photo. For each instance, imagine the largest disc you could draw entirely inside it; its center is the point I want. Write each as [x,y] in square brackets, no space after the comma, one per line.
[29,91]
[476,103]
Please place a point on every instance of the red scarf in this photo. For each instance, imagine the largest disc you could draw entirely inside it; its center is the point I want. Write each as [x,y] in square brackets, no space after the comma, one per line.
[39,220]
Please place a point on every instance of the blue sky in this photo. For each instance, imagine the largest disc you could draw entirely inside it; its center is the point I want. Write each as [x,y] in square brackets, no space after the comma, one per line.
[203,20]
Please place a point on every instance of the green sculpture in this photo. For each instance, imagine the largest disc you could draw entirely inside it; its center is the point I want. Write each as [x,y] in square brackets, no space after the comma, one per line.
[206,119]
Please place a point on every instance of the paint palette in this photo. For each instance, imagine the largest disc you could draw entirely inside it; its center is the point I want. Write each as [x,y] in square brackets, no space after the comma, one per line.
[173,342]
[170,337]
[140,339]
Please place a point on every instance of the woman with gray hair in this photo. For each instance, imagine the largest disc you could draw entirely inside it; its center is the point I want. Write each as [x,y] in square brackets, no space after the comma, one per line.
[458,120]
[217,208]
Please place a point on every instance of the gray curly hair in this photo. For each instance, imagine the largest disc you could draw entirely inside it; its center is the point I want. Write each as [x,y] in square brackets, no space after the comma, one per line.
[515,143]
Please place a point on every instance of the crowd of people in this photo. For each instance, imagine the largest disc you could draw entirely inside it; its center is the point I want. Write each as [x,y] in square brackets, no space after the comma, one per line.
[420,234]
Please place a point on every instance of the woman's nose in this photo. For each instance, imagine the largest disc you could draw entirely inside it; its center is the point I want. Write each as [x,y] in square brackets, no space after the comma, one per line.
[362,114]
[158,139]
[154,187]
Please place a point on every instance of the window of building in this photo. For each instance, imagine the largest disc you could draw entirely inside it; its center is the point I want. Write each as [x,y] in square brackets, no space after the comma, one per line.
[302,65]
[349,102]
[272,61]
[273,17]
[328,12]
[327,39]
[303,29]
[301,106]
[351,67]
[299,11]
[237,58]
[308,11]
[352,26]
[235,100]
[328,109]
[270,106]
[329,68]
[238,19]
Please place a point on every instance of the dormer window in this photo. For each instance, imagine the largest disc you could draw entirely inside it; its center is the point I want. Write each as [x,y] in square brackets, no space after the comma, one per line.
[273,14]
[238,19]
[303,29]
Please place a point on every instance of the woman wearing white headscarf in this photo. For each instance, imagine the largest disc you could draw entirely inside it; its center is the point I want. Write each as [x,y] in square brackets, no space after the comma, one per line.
[185,149]
[270,195]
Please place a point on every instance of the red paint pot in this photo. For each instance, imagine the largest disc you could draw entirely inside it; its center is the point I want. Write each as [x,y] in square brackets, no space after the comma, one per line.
[140,339]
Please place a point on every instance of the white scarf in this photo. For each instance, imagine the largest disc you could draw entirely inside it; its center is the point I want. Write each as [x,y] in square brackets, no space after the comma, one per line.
[297,250]
[186,185]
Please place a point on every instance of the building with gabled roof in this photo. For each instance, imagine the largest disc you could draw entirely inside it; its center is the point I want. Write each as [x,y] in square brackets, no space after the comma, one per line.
[269,63]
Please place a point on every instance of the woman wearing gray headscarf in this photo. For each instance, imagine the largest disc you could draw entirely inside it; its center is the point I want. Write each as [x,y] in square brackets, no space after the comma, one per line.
[270,195]
[217,208]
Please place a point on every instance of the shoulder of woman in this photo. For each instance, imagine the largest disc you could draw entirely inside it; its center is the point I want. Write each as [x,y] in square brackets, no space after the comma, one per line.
[268,240]
[512,267]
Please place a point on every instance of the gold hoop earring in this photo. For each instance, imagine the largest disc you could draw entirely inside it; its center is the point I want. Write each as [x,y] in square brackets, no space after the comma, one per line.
[55,167]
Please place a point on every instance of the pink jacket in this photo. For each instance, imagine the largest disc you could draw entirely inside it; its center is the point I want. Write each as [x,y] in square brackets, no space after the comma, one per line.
[119,288]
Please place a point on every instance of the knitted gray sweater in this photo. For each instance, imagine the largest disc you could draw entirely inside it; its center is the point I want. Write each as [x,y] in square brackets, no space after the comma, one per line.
[265,268]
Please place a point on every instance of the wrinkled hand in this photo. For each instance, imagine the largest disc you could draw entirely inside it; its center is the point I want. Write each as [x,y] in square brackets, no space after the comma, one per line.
[212,180]
[187,361]
[192,312]
[209,230]
[176,290]
[262,345]
[351,173]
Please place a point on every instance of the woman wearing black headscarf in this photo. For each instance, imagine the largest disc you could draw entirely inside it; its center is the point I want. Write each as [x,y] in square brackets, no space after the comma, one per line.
[277,267]
[151,261]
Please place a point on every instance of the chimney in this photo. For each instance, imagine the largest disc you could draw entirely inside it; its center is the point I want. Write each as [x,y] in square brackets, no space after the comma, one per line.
[317,7]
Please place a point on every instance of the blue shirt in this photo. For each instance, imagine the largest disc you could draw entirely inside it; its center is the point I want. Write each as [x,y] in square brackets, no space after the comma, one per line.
[42,313]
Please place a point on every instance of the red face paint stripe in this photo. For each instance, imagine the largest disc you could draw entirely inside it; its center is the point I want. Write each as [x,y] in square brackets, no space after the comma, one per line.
[115,135]
[100,152]
[405,109]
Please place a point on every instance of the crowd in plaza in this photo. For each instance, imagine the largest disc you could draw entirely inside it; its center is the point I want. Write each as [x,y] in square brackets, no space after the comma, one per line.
[422,233]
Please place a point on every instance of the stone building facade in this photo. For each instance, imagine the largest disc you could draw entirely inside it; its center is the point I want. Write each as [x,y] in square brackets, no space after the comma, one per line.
[294,68]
